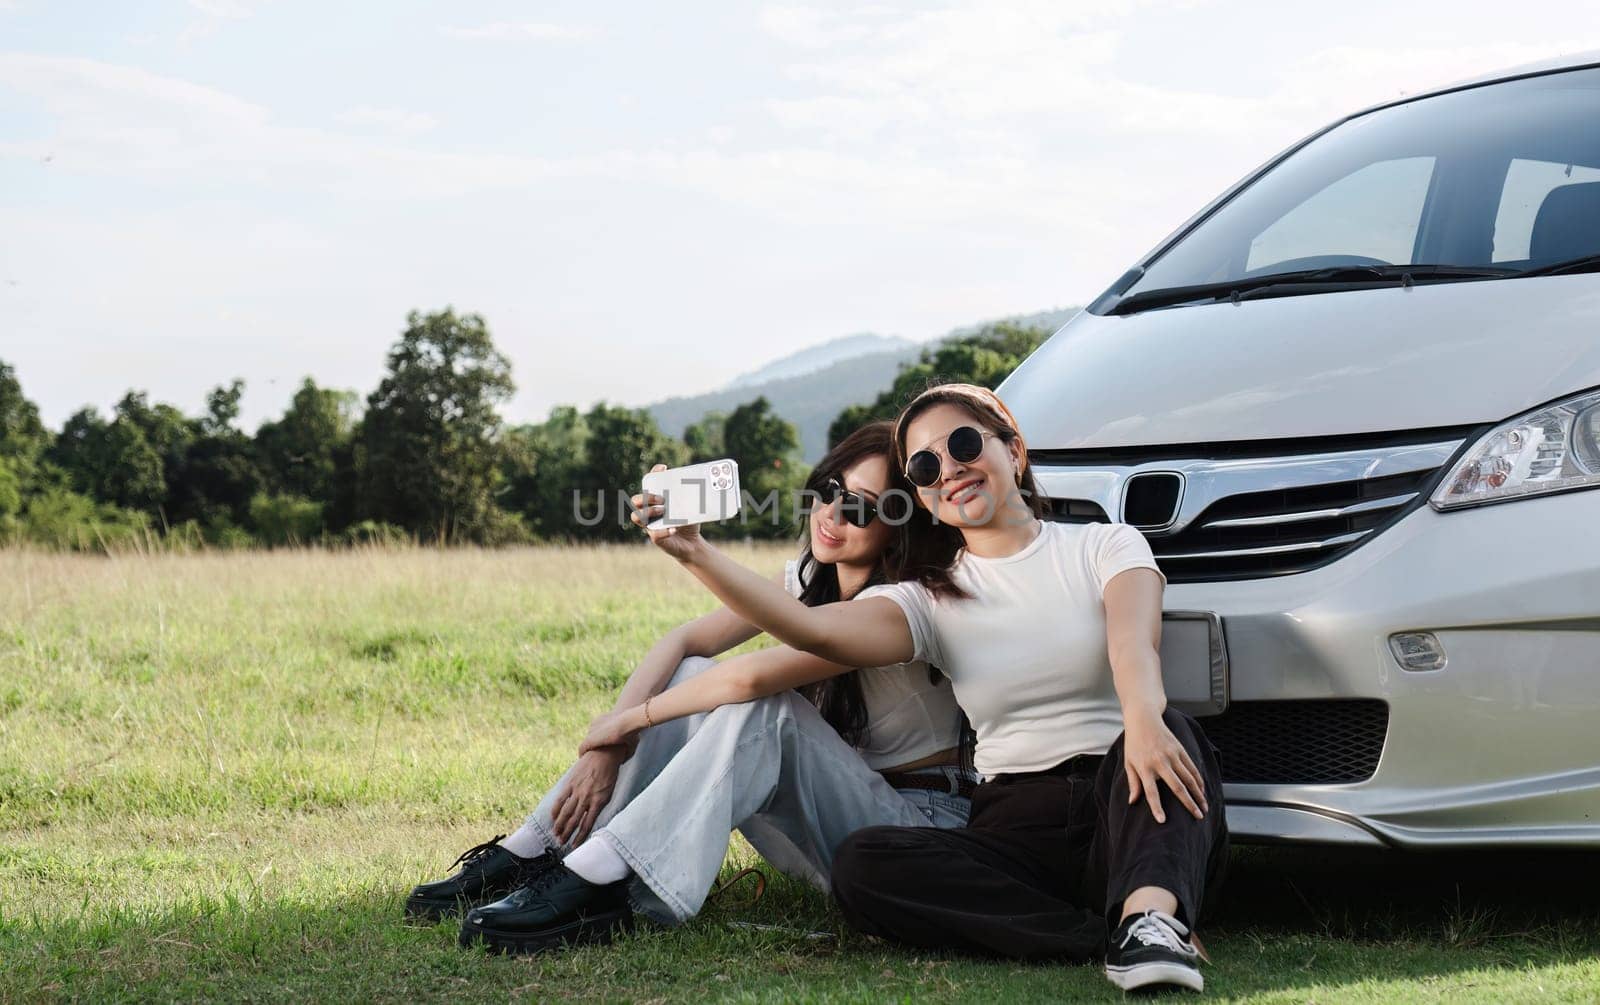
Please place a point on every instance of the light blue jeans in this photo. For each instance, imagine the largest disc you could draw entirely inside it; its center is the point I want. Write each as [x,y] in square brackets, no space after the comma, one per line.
[772,769]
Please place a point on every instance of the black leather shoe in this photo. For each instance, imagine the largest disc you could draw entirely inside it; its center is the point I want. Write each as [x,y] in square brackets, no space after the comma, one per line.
[488,872]
[556,908]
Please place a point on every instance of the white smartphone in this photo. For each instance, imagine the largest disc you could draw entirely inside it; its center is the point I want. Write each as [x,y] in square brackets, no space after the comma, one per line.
[697,493]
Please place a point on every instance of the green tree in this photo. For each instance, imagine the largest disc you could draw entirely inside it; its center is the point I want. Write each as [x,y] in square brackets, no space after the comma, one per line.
[222,408]
[10,494]
[304,453]
[767,450]
[705,438]
[167,431]
[23,442]
[111,462]
[430,451]
[622,444]
[543,464]
[23,437]
[218,476]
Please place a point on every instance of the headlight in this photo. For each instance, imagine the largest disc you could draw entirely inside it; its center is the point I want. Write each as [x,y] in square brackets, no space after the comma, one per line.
[1550,450]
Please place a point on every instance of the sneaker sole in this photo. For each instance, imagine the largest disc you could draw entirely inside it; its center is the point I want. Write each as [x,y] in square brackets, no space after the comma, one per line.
[590,930]
[1147,974]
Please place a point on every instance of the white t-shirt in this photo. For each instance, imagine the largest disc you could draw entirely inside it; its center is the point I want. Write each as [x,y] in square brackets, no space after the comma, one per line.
[1026,652]
[911,713]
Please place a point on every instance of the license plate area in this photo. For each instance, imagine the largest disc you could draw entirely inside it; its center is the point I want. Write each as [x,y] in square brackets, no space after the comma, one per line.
[1194,662]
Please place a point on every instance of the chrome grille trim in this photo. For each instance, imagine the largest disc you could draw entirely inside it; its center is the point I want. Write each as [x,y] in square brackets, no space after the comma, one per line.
[1258,516]
[1371,505]
[1275,549]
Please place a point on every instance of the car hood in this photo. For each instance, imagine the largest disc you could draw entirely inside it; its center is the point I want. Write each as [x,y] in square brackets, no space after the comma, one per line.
[1324,365]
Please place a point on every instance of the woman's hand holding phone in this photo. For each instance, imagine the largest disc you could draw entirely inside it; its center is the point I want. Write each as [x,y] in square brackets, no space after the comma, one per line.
[678,541]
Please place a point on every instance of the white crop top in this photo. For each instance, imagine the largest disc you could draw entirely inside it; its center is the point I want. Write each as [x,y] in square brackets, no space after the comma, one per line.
[910,713]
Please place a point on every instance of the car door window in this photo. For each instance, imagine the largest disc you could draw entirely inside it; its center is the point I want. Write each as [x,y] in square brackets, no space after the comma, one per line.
[1528,183]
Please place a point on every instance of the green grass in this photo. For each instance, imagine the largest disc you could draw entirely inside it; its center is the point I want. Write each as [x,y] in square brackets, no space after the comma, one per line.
[220,774]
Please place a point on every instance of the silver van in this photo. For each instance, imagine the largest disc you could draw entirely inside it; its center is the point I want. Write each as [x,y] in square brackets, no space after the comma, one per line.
[1354,404]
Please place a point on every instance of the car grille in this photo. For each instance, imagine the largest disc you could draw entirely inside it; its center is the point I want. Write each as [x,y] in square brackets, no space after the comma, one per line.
[1252,509]
[1286,530]
[1316,742]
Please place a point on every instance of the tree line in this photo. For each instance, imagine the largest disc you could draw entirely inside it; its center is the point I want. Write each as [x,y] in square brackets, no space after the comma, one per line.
[424,457]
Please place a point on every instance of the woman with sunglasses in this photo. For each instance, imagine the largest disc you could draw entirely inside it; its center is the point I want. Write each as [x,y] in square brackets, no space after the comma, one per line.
[1049,633]
[796,776]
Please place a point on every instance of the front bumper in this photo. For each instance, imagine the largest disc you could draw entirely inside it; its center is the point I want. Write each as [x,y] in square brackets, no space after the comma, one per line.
[1501,745]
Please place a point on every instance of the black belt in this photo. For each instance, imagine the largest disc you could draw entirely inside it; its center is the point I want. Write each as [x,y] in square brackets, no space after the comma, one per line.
[1082,764]
[955,785]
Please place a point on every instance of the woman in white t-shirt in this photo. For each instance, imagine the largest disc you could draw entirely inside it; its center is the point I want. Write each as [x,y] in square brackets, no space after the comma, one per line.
[1049,633]
[794,772]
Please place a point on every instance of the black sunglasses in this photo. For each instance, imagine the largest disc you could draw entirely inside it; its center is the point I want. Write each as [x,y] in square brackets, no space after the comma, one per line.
[965,443]
[858,510]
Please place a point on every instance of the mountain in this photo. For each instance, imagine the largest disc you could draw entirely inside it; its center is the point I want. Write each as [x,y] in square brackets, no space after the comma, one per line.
[810,401]
[813,397]
[814,358]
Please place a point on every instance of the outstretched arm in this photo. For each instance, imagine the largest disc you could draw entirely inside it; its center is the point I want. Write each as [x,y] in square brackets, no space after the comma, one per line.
[742,678]
[862,633]
[1133,637]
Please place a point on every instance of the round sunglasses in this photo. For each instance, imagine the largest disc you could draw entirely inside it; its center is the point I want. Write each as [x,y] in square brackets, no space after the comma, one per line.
[857,511]
[964,443]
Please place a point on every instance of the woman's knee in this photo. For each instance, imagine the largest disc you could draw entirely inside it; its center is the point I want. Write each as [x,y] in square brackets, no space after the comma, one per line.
[874,858]
[1192,735]
[690,666]
[853,861]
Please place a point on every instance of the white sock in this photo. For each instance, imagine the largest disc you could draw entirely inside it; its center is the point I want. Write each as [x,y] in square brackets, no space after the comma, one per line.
[527,842]
[596,861]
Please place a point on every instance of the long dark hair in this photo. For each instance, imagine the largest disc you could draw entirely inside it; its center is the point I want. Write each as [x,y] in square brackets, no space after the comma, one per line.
[915,546]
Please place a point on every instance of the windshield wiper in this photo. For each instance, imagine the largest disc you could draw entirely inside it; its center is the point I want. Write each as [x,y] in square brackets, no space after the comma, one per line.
[1583,263]
[1354,277]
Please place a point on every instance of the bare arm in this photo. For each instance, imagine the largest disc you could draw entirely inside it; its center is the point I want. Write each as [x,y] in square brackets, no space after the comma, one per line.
[865,633]
[1133,640]
[594,777]
[709,635]
[870,632]
[743,678]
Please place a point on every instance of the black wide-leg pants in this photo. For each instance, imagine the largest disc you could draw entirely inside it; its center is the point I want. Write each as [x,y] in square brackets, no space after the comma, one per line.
[1044,862]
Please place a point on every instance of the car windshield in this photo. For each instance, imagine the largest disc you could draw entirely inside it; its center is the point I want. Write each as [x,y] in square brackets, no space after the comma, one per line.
[1499,179]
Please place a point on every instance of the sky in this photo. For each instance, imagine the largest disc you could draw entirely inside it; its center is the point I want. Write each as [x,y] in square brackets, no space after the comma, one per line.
[641,199]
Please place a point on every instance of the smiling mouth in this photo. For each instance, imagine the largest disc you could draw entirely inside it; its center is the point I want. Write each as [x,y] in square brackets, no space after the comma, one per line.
[966,491]
[828,538]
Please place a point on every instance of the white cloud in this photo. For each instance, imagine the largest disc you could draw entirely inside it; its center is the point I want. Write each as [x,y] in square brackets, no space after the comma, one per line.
[119,120]
[233,9]
[522,31]
[396,119]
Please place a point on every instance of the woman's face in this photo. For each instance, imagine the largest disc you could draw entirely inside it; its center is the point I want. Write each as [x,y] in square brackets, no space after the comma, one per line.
[968,493]
[835,540]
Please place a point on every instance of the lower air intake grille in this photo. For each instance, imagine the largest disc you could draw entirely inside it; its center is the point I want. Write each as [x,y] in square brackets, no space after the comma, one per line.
[1319,742]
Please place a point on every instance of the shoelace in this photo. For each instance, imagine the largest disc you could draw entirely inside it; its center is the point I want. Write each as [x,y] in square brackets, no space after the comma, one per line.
[477,851]
[538,882]
[1162,930]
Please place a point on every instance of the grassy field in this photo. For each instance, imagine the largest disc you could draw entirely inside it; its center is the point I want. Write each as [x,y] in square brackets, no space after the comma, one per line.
[220,775]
